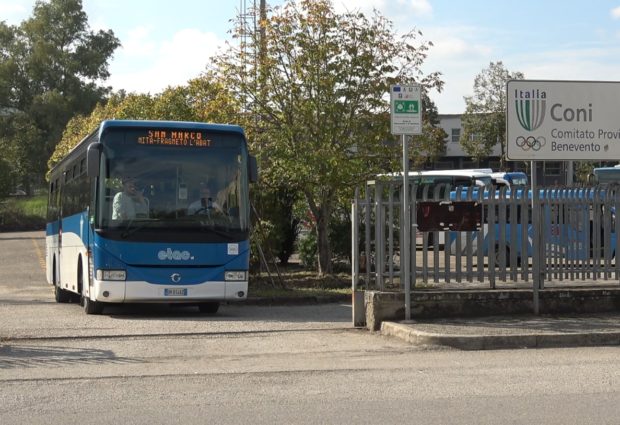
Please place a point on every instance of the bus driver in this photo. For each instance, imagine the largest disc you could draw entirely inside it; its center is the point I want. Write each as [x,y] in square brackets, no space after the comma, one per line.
[128,202]
[205,204]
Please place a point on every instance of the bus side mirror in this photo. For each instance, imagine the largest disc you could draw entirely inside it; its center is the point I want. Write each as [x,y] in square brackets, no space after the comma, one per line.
[252,169]
[93,159]
[590,179]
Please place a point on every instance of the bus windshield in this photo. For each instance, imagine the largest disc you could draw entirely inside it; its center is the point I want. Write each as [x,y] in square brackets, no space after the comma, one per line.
[168,179]
[607,176]
[483,181]
[515,181]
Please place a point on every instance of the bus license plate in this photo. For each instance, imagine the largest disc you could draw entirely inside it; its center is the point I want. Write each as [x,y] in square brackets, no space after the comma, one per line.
[175,292]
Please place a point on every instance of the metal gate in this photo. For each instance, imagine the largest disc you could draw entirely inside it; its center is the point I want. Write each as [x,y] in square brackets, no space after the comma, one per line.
[564,236]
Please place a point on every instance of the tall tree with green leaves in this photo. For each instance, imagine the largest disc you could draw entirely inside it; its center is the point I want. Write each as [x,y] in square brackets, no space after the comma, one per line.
[316,83]
[484,120]
[51,68]
[201,100]
[431,144]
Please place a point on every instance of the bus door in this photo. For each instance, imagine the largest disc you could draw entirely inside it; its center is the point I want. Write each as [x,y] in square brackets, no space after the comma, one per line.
[59,213]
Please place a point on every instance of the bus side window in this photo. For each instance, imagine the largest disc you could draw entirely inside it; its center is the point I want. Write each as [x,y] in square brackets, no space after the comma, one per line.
[461,181]
[496,216]
[441,184]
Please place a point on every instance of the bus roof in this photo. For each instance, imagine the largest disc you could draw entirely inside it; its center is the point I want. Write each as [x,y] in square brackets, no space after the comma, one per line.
[508,173]
[467,173]
[144,123]
[170,124]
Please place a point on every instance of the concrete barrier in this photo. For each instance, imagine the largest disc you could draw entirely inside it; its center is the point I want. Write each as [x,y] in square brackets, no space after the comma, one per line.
[390,306]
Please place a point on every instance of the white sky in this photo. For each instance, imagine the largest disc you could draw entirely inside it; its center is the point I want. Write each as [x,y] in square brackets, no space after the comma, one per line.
[169,42]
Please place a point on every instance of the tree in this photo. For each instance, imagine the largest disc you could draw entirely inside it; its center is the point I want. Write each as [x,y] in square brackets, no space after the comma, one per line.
[50,67]
[431,144]
[316,84]
[484,120]
[202,100]
[6,179]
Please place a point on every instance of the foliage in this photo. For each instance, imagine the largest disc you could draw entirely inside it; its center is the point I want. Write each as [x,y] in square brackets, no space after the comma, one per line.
[277,205]
[315,84]
[431,144]
[23,213]
[484,120]
[50,69]
[308,250]
[202,100]
[256,262]
[6,179]
[340,236]
[81,126]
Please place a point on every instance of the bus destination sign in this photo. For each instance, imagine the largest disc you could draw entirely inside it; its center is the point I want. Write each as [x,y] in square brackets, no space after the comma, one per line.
[174,138]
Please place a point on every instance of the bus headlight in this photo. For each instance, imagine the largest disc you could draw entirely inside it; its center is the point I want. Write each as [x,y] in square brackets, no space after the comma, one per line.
[236,275]
[111,274]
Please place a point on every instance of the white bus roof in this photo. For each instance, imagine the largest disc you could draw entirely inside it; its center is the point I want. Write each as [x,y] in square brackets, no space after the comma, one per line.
[467,173]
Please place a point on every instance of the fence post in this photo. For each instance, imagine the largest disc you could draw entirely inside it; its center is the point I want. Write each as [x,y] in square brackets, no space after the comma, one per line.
[359,313]
[536,240]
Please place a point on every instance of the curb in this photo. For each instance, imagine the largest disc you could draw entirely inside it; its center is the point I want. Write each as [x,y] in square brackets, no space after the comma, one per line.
[309,300]
[498,342]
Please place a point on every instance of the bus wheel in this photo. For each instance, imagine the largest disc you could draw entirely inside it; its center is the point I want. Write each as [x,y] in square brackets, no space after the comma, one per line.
[92,307]
[210,308]
[497,256]
[60,294]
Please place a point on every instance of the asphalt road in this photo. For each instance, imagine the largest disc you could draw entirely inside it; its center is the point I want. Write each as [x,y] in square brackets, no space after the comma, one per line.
[161,365]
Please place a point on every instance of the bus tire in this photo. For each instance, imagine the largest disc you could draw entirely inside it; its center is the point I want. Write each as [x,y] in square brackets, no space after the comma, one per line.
[75,298]
[92,307]
[497,256]
[60,294]
[78,298]
[210,307]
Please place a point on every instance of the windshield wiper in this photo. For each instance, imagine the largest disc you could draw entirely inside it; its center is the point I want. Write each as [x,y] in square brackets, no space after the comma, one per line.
[205,228]
[127,233]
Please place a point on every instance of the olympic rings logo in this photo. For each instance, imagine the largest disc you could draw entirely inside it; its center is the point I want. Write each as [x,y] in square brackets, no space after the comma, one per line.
[533,143]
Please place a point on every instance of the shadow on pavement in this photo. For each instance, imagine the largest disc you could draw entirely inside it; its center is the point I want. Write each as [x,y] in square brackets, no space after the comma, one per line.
[24,356]
[233,312]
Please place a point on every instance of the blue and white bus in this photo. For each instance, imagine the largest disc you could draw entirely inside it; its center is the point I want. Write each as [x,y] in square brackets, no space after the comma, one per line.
[605,175]
[119,224]
[576,226]
[509,178]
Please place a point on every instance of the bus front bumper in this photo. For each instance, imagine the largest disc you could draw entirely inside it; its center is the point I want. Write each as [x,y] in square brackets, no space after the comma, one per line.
[137,291]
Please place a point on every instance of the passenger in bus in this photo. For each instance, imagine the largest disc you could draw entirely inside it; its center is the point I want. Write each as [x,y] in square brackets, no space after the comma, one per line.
[129,202]
[205,205]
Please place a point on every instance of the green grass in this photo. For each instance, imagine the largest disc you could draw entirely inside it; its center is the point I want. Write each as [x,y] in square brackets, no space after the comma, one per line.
[298,292]
[23,213]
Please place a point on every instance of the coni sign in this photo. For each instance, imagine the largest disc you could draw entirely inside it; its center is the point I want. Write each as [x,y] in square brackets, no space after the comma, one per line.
[562,120]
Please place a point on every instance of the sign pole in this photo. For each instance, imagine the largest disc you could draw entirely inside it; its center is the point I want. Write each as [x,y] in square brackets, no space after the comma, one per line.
[406,119]
[535,239]
[405,233]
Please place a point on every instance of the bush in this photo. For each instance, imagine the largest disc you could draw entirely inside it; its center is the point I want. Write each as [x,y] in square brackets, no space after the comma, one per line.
[255,258]
[23,213]
[308,251]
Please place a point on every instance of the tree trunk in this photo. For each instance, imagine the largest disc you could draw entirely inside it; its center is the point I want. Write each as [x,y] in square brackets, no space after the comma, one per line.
[321,214]
[323,245]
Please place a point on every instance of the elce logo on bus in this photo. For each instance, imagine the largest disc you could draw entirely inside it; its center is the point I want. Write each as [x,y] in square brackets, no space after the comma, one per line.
[173,255]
